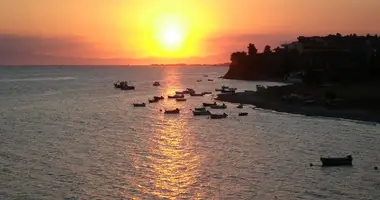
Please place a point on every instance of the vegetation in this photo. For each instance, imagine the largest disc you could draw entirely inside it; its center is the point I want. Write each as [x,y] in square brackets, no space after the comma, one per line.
[331,58]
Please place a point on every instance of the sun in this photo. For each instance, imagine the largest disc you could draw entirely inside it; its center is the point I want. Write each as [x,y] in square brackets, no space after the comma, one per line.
[171,37]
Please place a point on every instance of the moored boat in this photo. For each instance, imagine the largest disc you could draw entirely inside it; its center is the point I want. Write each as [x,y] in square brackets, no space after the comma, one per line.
[156,83]
[153,100]
[139,105]
[179,93]
[201,113]
[127,87]
[210,79]
[158,98]
[243,114]
[180,99]
[209,104]
[218,116]
[176,96]
[240,106]
[204,93]
[223,106]
[337,161]
[175,111]
[196,95]
[199,80]
[200,109]
[228,91]
[218,90]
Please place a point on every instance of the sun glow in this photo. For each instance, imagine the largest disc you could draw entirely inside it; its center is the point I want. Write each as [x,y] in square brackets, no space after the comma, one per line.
[171,37]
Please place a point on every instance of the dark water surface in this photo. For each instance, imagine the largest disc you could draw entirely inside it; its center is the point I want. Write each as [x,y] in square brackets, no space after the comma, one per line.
[66,133]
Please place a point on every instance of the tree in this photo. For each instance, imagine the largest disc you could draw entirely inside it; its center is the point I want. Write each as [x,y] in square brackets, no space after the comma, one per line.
[238,57]
[267,49]
[252,50]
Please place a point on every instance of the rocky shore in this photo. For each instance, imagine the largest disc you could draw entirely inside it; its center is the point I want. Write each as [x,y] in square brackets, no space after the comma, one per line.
[349,102]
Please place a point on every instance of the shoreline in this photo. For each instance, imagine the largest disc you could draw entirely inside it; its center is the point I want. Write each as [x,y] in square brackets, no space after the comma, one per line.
[266,102]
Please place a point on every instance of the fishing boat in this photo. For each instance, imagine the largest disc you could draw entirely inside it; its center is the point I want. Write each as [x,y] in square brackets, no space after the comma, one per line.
[176,96]
[210,79]
[218,116]
[127,87]
[240,106]
[179,93]
[204,93]
[196,95]
[200,109]
[156,83]
[175,111]
[209,104]
[223,106]
[243,114]
[337,161]
[201,113]
[139,105]
[180,99]
[158,98]
[153,100]
[218,90]
[228,91]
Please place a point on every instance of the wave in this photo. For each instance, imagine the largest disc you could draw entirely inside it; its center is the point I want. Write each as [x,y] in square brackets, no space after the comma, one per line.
[39,79]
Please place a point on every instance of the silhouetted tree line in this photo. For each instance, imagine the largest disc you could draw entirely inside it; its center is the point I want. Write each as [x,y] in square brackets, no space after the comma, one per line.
[331,58]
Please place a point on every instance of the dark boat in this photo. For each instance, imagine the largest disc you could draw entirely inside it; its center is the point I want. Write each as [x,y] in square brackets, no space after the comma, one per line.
[243,114]
[209,104]
[179,93]
[153,100]
[176,111]
[176,96]
[156,83]
[204,93]
[139,105]
[218,116]
[201,113]
[127,87]
[218,90]
[180,99]
[240,106]
[223,106]
[158,98]
[196,95]
[228,91]
[199,80]
[338,161]
[200,109]
[210,79]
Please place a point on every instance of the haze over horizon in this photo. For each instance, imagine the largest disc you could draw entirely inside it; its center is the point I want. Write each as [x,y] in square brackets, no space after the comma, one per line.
[122,32]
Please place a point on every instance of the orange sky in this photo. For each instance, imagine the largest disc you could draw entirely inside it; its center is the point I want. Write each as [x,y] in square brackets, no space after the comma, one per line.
[142,32]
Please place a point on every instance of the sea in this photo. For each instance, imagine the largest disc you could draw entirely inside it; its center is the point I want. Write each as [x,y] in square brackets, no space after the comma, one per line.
[66,133]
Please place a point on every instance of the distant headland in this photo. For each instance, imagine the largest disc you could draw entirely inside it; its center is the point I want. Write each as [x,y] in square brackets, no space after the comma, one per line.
[332,76]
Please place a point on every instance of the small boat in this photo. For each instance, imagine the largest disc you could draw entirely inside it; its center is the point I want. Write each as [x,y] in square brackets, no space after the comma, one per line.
[249,91]
[156,83]
[243,114]
[127,87]
[176,96]
[209,104]
[158,98]
[200,109]
[240,106]
[201,113]
[179,93]
[180,99]
[225,87]
[218,116]
[338,161]
[139,105]
[223,106]
[153,100]
[204,93]
[196,95]
[205,75]
[199,80]
[175,111]
[228,91]
[210,79]
[218,90]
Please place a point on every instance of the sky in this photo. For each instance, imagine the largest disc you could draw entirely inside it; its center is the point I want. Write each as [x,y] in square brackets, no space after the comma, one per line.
[122,32]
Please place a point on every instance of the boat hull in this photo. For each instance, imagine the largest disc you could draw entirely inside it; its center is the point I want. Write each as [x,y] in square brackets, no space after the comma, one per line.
[345,161]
